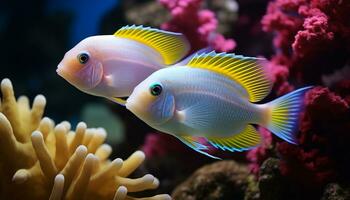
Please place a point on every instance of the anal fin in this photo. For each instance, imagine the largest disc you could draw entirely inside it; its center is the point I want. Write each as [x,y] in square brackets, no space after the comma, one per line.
[245,140]
[195,144]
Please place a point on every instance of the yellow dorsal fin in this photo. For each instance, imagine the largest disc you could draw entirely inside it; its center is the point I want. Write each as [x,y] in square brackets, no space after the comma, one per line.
[245,140]
[171,46]
[246,71]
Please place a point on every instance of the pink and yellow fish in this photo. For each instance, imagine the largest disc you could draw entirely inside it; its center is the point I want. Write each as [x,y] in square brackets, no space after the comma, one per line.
[112,65]
[213,98]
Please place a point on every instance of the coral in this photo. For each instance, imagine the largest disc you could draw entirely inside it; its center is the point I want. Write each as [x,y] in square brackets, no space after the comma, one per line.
[39,160]
[199,25]
[312,36]
[312,40]
[221,180]
[322,155]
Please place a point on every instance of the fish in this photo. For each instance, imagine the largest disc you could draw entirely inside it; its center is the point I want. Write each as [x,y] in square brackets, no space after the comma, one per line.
[111,66]
[214,101]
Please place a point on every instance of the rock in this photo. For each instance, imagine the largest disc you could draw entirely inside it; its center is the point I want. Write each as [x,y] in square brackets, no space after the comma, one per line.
[270,180]
[334,191]
[223,180]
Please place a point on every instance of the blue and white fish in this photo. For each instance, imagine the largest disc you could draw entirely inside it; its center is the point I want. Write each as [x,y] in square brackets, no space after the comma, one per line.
[214,97]
[112,65]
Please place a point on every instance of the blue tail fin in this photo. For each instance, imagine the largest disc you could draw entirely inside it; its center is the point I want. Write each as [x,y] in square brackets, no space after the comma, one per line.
[285,114]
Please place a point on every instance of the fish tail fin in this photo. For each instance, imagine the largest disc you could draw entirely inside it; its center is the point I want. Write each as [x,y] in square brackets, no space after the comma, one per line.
[284,114]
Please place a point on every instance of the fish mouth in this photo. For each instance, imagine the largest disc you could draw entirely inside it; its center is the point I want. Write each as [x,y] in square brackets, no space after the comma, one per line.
[60,71]
[142,113]
[137,109]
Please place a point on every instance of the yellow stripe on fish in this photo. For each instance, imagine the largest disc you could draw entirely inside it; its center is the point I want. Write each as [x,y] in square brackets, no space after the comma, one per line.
[159,40]
[246,71]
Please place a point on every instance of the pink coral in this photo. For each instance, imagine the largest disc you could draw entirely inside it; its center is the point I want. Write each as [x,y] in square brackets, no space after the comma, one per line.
[199,25]
[313,35]
[160,144]
[312,40]
[322,154]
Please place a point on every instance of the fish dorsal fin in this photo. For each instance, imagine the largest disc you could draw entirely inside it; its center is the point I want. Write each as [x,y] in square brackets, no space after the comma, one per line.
[171,46]
[246,71]
[245,140]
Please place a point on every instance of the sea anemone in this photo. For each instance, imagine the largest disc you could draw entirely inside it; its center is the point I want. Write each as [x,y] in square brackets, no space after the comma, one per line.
[39,160]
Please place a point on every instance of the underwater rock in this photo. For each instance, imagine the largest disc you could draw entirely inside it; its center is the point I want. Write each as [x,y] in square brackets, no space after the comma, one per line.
[44,161]
[334,191]
[223,180]
[270,180]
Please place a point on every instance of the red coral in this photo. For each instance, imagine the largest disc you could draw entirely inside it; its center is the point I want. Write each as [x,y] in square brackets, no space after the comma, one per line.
[322,154]
[199,25]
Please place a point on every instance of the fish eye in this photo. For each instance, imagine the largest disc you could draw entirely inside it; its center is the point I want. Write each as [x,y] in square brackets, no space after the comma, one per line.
[156,89]
[83,58]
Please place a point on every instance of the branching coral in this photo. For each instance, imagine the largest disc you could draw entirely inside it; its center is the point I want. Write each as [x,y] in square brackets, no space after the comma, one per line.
[312,36]
[312,40]
[199,25]
[39,160]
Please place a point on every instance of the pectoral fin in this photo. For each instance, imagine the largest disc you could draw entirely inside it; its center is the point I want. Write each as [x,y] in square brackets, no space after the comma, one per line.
[197,116]
[247,139]
[195,144]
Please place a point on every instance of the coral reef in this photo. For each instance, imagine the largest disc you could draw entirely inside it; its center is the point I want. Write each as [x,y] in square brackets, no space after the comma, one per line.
[323,134]
[221,180]
[39,160]
[200,30]
[311,40]
[312,36]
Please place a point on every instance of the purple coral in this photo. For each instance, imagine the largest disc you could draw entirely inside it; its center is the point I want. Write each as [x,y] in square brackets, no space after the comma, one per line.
[199,25]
